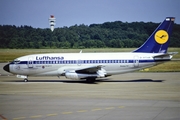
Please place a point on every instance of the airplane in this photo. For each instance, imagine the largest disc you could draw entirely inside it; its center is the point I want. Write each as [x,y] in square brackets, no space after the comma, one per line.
[90,66]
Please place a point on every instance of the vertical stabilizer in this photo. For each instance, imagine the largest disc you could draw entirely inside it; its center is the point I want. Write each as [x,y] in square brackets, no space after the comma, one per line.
[158,42]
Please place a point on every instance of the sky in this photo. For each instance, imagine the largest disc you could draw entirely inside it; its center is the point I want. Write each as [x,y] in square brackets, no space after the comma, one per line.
[36,13]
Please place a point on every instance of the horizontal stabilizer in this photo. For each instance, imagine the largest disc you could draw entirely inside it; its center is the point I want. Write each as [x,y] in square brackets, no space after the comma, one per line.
[164,57]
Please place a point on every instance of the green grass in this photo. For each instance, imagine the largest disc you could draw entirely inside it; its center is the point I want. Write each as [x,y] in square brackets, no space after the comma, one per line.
[7,55]
[177,56]
[171,66]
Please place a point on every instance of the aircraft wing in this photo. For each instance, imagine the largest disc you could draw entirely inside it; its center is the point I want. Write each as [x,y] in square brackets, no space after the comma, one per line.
[89,70]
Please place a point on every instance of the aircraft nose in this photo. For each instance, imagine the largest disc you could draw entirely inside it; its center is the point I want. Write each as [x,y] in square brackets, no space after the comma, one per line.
[6,67]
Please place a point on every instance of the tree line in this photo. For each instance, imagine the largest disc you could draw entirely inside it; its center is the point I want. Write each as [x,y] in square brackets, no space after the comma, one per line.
[109,34]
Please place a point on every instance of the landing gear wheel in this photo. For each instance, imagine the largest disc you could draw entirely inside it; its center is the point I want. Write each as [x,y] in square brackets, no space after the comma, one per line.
[90,80]
[25,80]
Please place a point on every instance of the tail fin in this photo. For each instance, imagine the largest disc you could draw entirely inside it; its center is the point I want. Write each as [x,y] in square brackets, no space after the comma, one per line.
[158,42]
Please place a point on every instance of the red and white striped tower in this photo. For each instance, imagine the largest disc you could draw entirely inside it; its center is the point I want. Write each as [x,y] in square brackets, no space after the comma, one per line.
[52,20]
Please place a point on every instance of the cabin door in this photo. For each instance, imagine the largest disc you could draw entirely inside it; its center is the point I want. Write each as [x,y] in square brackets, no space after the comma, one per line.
[30,62]
[136,61]
[79,62]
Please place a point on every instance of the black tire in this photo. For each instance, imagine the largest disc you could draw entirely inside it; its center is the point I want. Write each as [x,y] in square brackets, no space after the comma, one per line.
[25,80]
[90,80]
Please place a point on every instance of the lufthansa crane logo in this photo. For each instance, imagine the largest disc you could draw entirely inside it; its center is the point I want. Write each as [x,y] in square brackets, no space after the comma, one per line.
[161,36]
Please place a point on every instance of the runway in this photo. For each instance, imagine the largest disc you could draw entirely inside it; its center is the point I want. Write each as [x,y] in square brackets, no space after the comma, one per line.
[137,96]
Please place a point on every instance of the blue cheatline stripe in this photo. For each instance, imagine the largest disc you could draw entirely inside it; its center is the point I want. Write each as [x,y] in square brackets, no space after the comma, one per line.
[86,61]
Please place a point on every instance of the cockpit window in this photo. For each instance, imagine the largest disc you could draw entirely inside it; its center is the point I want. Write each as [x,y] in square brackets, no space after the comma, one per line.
[16,61]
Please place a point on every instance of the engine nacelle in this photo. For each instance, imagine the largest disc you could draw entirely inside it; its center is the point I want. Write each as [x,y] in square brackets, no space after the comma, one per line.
[77,76]
[71,75]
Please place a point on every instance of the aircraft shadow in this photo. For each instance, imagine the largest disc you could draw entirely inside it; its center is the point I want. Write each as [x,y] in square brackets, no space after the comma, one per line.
[60,81]
[96,82]
[138,80]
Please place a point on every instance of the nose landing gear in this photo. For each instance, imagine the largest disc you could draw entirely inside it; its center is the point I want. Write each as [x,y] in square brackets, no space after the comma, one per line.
[23,76]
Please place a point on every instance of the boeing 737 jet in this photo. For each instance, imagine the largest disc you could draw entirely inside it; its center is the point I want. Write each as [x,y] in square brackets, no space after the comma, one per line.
[90,66]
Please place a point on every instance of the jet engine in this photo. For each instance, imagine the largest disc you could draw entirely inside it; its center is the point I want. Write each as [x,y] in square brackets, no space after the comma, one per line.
[77,76]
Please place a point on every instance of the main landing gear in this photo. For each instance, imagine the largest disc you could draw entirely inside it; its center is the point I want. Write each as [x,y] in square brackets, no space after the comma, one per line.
[90,80]
[25,80]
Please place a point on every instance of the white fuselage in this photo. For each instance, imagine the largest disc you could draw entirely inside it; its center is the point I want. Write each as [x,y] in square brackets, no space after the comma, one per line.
[90,66]
[56,64]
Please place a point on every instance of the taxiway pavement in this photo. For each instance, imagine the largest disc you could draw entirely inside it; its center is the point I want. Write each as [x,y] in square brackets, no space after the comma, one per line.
[132,96]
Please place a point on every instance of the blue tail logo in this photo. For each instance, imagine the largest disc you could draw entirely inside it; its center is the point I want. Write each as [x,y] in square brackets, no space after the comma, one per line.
[158,42]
